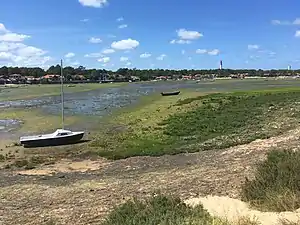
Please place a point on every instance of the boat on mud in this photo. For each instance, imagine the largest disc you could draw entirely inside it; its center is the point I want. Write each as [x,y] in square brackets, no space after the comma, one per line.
[170,93]
[59,137]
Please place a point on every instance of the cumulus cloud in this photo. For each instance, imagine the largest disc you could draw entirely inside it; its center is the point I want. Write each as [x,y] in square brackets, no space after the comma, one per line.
[95,40]
[70,55]
[188,34]
[123,26]
[3,28]
[145,55]
[13,37]
[297,34]
[120,19]
[93,3]
[104,59]
[124,59]
[125,44]
[108,51]
[253,47]
[15,53]
[161,57]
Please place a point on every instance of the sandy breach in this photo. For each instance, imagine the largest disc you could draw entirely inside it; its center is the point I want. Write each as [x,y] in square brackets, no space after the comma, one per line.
[233,209]
[66,166]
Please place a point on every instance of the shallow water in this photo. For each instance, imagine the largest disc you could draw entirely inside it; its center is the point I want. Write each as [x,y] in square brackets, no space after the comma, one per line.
[103,101]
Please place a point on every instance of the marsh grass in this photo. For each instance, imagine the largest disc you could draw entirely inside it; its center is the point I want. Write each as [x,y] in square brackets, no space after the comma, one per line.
[276,186]
[191,123]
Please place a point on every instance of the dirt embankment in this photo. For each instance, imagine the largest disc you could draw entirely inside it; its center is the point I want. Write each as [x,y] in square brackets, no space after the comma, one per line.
[84,192]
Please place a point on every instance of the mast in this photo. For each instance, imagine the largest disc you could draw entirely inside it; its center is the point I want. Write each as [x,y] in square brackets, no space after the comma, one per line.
[62,94]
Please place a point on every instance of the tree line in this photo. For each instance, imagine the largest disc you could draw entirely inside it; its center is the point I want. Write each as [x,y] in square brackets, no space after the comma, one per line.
[142,74]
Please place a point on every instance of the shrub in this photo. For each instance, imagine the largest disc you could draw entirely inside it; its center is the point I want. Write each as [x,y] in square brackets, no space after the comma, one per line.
[276,185]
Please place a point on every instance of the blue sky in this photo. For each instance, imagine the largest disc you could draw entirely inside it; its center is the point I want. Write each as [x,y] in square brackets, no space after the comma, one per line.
[150,33]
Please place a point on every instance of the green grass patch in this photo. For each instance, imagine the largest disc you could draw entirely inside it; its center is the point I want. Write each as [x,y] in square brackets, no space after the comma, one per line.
[190,123]
[276,186]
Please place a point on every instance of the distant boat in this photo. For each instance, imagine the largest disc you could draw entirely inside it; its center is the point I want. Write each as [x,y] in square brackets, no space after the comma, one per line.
[59,137]
[170,93]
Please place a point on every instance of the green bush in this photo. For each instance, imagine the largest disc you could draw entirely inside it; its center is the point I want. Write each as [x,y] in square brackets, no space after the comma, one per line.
[276,185]
[162,210]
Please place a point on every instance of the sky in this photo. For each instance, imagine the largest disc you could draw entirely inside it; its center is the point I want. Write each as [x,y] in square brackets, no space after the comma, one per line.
[149,34]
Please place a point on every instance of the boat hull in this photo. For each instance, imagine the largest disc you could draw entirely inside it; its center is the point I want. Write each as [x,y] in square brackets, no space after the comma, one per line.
[70,139]
[170,93]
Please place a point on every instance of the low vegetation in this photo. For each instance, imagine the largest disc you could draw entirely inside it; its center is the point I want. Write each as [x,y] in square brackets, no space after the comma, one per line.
[165,210]
[188,124]
[276,186]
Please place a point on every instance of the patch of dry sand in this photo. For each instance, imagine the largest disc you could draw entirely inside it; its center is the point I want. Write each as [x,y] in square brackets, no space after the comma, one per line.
[66,166]
[233,209]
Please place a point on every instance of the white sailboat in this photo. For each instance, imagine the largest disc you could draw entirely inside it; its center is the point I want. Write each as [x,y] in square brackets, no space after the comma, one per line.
[60,136]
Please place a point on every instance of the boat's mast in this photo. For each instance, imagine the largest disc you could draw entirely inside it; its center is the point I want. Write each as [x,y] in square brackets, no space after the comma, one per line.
[62,94]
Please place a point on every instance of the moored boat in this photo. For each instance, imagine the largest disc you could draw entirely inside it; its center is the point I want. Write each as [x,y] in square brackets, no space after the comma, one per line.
[170,93]
[59,137]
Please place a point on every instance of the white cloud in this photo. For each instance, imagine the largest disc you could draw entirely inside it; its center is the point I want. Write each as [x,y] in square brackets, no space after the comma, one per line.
[13,37]
[28,51]
[188,34]
[70,55]
[93,55]
[123,26]
[15,53]
[93,3]
[6,56]
[145,55]
[161,57]
[201,51]
[108,51]
[125,44]
[253,47]
[214,52]
[182,52]
[286,22]
[124,59]
[120,19]
[3,28]
[180,41]
[209,52]
[104,59]
[128,64]
[297,34]
[85,20]
[95,40]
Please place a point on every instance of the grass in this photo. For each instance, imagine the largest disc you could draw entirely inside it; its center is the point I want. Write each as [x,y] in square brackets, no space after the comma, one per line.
[32,91]
[276,186]
[191,123]
[165,210]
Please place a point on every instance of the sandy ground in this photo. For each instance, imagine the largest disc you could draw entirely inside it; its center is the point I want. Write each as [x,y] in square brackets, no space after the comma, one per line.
[83,192]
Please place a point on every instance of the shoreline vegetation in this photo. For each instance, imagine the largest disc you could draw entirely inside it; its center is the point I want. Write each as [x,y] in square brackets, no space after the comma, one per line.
[188,123]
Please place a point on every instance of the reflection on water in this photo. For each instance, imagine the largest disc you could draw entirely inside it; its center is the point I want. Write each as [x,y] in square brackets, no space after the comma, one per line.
[8,125]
